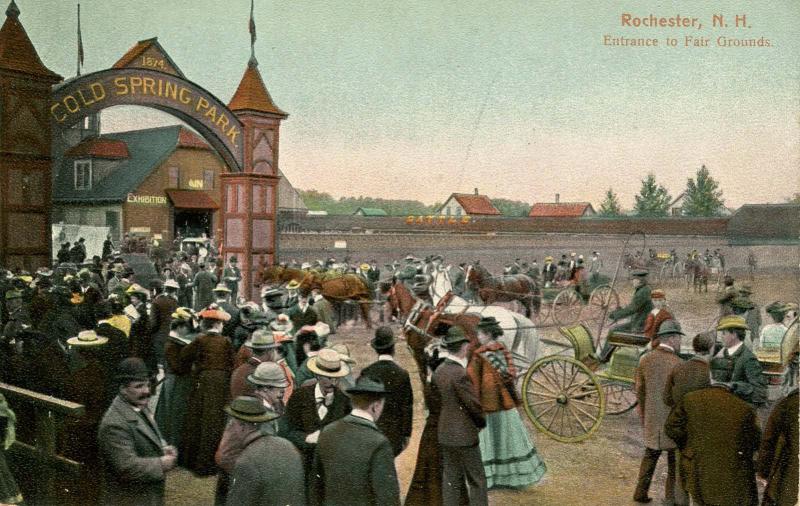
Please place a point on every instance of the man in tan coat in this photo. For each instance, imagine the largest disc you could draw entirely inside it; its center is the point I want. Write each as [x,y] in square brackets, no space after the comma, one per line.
[650,381]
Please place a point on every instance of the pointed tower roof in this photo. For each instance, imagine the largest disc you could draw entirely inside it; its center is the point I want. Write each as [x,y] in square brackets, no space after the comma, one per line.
[16,49]
[252,95]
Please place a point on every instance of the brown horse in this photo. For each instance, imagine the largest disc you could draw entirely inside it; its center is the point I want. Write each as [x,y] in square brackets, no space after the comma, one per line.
[399,300]
[336,289]
[506,288]
[277,275]
[697,272]
[426,322]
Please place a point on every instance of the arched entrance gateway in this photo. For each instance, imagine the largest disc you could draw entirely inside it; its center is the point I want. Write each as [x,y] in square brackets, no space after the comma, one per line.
[244,133]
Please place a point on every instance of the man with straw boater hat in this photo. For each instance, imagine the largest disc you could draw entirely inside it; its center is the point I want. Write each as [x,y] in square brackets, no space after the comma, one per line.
[354,462]
[312,407]
[268,469]
[399,409]
[222,298]
[135,457]
[735,365]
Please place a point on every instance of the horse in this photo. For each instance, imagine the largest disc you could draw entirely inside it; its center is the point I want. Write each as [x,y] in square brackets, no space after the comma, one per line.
[337,289]
[698,272]
[399,299]
[426,322]
[341,289]
[519,287]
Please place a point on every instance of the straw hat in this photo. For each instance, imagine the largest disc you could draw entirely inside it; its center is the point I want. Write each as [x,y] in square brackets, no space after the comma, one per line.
[171,283]
[214,312]
[293,285]
[183,314]
[328,363]
[364,267]
[250,409]
[732,322]
[262,340]
[221,288]
[137,289]
[268,374]
[344,352]
[87,338]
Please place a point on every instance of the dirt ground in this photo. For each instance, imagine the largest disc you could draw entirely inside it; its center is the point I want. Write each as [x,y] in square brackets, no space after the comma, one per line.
[599,471]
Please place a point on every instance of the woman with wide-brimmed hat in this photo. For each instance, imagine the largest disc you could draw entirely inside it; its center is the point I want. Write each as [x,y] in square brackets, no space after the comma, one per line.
[509,458]
[174,397]
[211,356]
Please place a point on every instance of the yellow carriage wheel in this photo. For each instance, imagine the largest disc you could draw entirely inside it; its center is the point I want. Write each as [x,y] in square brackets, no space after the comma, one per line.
[563,398]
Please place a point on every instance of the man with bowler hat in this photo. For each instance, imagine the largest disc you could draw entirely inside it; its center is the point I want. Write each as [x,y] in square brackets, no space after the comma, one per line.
[268,469]
[354,462]
[135,456]
[463,418]
[398,412]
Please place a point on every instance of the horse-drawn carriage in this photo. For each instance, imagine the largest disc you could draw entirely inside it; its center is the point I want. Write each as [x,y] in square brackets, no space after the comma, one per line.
[566,304]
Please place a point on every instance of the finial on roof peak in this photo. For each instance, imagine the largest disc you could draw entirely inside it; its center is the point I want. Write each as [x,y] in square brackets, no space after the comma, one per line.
[12,11]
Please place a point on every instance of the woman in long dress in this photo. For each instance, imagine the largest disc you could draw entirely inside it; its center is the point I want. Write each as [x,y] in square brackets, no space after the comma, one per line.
[211,356]
[509,458]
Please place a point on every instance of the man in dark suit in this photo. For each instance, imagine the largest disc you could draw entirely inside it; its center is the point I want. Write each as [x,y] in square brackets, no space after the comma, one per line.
[302,314]
[398,413]
[463,416]
[161,309]
[232,275]
[641,304]
[717,433]
[691,375]
[354,463]
[778,455]
[312,407]
[135,456]
[735,365]
[222,297]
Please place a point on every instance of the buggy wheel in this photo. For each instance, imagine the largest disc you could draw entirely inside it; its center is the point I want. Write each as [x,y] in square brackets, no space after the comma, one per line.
[620,397]
[567,307]
[602,300]
[563,399]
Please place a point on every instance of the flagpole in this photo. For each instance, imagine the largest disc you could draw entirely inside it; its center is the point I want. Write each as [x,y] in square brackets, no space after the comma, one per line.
[80,43]
[252,29]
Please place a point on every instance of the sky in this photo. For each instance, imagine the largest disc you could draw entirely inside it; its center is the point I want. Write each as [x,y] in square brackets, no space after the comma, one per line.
[521,99]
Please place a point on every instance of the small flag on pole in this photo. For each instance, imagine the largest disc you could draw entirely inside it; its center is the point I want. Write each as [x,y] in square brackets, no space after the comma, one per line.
[80,42]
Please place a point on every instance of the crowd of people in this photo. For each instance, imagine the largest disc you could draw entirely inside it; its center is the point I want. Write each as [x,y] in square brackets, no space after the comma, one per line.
[186,372]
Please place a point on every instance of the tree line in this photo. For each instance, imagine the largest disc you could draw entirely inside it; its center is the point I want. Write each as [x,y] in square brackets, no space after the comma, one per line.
[702,197]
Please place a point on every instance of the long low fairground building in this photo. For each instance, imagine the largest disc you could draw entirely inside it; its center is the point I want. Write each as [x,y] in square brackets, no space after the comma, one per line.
[153,182]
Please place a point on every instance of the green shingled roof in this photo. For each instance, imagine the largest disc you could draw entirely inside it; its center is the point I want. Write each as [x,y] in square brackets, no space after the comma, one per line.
[371,211]
[147,148]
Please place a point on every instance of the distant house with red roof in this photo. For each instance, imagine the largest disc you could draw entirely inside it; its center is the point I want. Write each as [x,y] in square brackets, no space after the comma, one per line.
[561,210]
[468,204]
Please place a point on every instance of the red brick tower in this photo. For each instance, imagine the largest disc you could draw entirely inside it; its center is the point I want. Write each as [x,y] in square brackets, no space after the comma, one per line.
[250,198]
[25,161]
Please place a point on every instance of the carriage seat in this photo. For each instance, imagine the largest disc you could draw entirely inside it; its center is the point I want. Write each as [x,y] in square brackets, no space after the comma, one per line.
[628,339]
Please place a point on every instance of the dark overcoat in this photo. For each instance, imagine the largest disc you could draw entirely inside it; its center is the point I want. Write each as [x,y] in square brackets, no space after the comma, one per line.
[130,451]
[686,377]
[717,433]
[461,411]
[161,310]
[269,472]
[398,411]
[743,371]
[778,455]
[354,463]
[638,308]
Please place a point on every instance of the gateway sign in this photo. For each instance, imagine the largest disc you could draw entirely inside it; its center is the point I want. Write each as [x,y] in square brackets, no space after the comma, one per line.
[89,94]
